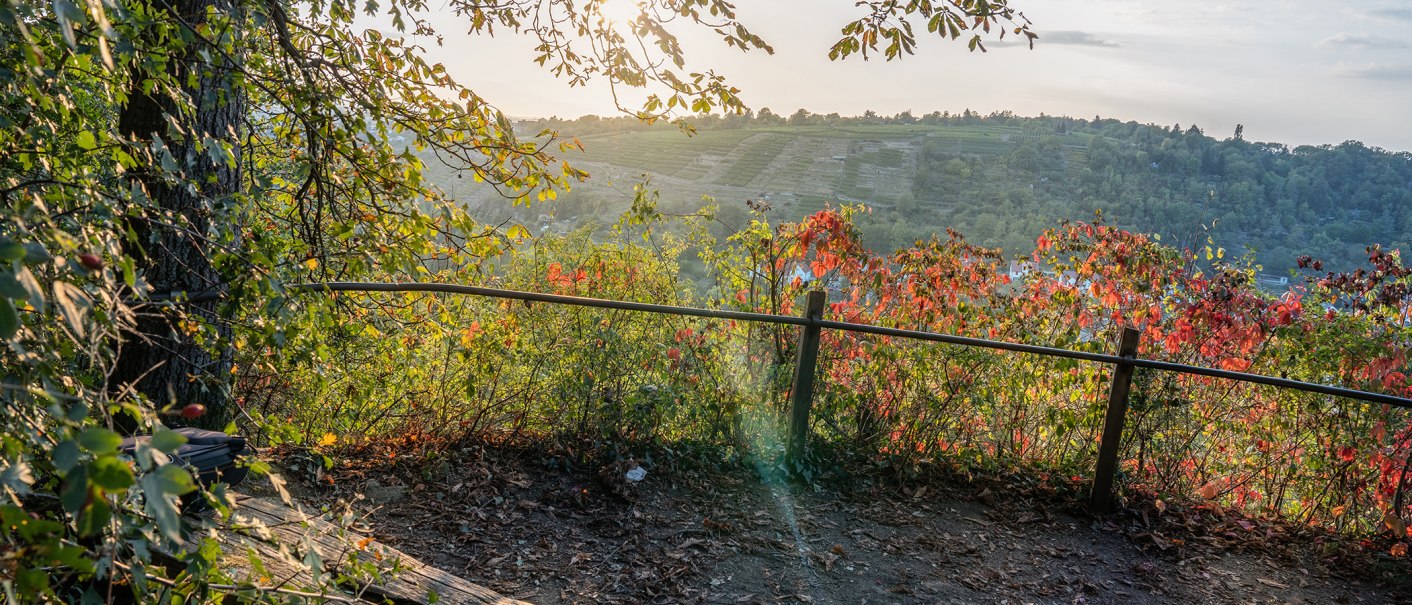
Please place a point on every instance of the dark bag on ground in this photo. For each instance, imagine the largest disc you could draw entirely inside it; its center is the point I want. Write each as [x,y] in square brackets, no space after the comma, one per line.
[210,456]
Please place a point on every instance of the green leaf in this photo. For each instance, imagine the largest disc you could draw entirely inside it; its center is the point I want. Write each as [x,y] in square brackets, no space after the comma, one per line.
[173,480]
[219,155]
[30,581]
[31,287]
[315,563]
[26,526]
[167,440]
[75,492]
[35,252]
[73,306]
[65,456]
[129,272]
[87,141]
[169,164]
[160,489]
[11,250]
[9,319]
[71,556]
[221,499]
[110,473]
[94,519]
[99,440]
[67,13]
[16,476]
[78,411]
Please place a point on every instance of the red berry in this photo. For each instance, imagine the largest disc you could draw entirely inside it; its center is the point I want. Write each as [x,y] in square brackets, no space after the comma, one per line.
[193,410]
[90,261]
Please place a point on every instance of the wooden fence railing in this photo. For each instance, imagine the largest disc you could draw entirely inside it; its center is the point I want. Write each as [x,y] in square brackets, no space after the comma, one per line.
[1125,360]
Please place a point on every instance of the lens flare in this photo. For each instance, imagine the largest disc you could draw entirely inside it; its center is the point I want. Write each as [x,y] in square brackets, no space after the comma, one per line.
[619,12]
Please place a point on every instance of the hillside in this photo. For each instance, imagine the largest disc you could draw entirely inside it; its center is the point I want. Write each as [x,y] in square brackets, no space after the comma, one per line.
[999,179]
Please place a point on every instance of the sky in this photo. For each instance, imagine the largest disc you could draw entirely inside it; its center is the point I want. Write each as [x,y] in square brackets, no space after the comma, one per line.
[1291,71]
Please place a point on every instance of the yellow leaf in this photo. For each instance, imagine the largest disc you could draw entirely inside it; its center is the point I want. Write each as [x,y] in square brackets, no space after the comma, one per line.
[311,263]
[328,439]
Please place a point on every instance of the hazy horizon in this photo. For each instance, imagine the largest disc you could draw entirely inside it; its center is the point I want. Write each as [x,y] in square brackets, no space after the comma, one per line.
[1293,71]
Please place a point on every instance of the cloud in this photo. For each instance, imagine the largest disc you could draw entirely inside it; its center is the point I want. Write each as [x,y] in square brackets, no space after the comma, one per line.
[1393,13]
[1058,38]
[1075,38]
[1395,73]
[1363,41]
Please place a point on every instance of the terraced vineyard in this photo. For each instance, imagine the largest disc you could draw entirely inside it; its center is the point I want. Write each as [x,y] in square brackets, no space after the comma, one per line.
[751,159]
[788,164]
[662,152]
[796,169]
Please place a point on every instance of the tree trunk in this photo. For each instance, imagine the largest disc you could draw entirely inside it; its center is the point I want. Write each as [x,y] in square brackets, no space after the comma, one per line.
[176,237]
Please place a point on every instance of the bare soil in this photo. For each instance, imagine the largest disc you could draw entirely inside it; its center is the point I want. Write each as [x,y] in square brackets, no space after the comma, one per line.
[531,527]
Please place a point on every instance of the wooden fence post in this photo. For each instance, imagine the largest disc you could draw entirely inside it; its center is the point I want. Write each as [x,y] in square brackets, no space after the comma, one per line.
[802,393]
[1101,498]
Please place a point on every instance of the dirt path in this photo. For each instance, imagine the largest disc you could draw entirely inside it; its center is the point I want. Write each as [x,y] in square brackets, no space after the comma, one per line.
[683,536]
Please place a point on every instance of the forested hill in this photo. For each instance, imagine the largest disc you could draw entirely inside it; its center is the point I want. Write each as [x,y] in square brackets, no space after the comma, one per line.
[1001,179]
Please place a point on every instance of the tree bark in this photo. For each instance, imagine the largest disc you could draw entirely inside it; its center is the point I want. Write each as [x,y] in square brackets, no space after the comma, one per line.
[165,358]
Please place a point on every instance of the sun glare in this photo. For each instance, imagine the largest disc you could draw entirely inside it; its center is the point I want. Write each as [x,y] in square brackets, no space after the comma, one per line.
[620,11]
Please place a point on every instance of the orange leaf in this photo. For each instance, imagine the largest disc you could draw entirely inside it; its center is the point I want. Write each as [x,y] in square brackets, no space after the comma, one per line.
[1395,524]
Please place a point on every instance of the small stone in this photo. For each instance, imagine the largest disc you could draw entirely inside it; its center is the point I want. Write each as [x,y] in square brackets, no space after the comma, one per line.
[380,494]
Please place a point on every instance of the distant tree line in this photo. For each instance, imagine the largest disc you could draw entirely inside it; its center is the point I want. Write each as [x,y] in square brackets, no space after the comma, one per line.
[594,124]
[1329,201]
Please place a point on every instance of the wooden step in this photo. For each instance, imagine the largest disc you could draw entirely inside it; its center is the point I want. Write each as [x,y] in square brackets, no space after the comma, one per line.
[259,523]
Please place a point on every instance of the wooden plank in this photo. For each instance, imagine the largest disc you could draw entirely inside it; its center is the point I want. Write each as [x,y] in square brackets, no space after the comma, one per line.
[335,544]
[258,523]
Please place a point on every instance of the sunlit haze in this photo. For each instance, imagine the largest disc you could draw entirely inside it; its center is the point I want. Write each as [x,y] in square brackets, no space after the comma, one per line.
[1295,71]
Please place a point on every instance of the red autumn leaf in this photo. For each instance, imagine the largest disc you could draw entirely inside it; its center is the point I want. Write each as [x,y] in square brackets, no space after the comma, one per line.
[1347,453]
